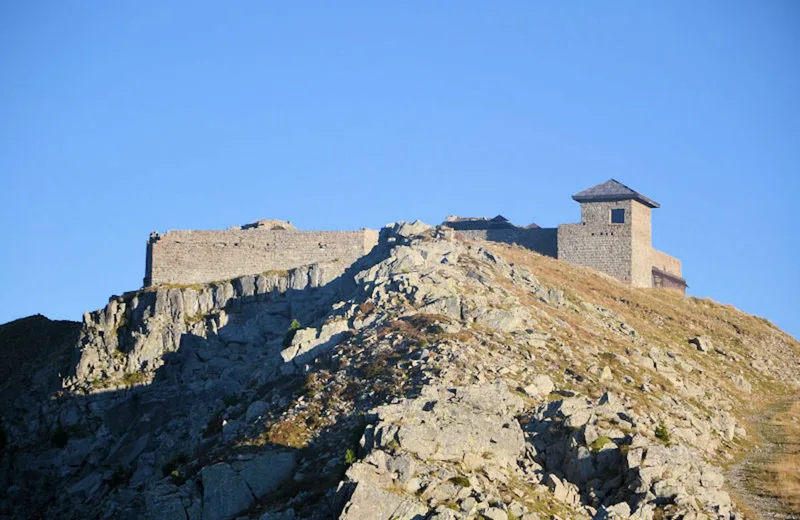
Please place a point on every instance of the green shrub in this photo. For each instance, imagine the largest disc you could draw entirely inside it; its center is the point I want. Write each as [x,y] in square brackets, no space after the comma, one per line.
[662,433]
[177,478]
[293,328]
[350,456]
[170,467]
[134,378]
[460,481]
[600,443]
[375,368]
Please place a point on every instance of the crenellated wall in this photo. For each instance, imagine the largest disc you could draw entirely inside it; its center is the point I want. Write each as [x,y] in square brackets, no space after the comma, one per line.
[190,257]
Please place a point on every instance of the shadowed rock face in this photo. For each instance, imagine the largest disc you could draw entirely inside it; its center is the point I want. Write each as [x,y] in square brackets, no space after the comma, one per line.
[434,379]
[35,352]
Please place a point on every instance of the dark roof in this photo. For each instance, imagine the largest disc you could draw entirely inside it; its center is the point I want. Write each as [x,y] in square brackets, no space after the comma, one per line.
[612,190]
[499,218]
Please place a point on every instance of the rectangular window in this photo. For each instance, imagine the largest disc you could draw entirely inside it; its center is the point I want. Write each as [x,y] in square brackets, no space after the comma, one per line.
[617,216]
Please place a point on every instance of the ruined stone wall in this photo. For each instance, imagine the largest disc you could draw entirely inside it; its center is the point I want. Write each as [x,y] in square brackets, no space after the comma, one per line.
[597,243]
[541,240]
[189,257]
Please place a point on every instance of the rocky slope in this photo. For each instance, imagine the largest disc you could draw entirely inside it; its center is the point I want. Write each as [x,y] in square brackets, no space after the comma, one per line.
[436,379]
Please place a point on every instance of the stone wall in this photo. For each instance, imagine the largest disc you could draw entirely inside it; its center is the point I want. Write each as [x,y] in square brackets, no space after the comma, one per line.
[597,243]
[190,257]
[641,248]
[542,240]
[665,262]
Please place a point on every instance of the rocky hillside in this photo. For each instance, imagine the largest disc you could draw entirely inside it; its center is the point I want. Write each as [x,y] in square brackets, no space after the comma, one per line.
[436,379]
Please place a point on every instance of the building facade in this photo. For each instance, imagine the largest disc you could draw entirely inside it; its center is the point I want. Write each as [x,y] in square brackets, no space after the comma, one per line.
[614,236]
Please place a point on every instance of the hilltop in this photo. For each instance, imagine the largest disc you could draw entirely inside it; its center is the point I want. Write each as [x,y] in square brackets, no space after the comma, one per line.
[435,378]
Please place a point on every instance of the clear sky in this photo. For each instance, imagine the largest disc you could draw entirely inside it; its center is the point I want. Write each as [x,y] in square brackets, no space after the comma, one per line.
[120,118]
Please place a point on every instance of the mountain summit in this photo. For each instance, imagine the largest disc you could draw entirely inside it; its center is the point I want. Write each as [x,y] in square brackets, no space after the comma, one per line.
[434,378]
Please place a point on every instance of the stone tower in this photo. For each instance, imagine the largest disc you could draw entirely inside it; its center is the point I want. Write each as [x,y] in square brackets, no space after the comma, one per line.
[614,236]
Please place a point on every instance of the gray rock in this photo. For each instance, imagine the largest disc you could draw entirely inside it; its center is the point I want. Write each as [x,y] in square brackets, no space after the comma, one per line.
[289,514]
[225,492]
[495,513]
[255,410]
[371,503]
[703,343]
[266,472]
[540,386]
[471,425]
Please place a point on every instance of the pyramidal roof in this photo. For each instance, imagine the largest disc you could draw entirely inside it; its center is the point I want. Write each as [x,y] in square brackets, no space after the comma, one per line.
[612,190]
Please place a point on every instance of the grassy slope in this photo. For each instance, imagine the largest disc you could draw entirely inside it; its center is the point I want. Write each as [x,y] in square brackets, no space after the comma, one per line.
[667,319]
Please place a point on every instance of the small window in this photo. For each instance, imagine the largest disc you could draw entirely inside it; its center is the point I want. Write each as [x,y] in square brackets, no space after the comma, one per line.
[617,216]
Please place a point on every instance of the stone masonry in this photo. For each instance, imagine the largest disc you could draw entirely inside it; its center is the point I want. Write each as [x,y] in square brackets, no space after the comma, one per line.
[620,247]
[614,236]
[190,256]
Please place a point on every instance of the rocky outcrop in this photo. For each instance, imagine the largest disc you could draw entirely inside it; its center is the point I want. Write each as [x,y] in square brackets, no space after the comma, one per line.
[134,331]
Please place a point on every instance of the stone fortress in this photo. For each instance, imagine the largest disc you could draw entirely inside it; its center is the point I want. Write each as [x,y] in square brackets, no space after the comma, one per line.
[614,237]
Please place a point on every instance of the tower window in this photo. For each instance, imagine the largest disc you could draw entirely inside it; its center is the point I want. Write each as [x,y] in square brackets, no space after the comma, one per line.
[617,216]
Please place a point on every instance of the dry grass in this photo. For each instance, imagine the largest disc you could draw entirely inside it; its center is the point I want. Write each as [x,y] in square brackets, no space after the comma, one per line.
[663,317]
[782,477]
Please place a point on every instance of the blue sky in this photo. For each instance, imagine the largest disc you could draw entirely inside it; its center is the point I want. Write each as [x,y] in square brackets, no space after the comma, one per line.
[120,118]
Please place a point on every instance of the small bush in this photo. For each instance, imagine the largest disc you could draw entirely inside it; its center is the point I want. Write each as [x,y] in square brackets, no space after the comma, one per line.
[375,368]
[662,433]
[177,478]
[170,467]
[600,443]
[350,456]
[461,481]
[135,378]
[290,432]
[293,328]
[366,307]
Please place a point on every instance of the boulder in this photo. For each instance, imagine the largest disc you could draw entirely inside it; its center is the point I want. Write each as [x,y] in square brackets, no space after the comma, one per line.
[225,492]
[473,425]
[369,502]
[703,343]
[540,386]
[266,472]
